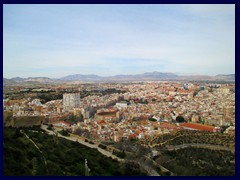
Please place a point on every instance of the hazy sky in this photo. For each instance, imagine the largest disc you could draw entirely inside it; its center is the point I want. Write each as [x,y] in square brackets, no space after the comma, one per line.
[59,40]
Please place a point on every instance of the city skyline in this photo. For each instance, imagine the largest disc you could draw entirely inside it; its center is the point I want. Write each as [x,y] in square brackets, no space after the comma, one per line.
[59,40]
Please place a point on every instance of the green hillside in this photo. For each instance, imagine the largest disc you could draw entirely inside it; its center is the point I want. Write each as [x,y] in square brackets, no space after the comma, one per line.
[62,158]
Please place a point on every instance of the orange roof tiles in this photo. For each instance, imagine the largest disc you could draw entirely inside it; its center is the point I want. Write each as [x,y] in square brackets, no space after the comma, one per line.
[197,126]
[102,122]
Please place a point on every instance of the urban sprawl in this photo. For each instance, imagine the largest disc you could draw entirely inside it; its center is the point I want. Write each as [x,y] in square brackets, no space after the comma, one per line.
[129,111]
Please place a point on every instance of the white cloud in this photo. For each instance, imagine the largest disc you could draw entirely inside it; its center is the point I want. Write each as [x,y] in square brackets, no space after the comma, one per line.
[180,37]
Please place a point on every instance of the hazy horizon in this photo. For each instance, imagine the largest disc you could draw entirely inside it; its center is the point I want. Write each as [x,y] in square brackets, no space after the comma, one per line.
[59,40]
[179,74]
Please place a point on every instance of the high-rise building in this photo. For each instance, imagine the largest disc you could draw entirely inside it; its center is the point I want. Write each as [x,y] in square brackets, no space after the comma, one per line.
[70,101]
[228,112]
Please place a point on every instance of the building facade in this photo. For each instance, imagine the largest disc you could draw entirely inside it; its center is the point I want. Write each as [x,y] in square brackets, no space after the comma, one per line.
[70,101]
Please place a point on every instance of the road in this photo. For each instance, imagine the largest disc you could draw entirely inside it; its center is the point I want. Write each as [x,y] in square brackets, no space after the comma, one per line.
[80,140]
[209,146]
[150,171]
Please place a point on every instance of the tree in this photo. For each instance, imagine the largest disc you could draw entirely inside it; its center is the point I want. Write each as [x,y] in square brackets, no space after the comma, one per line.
[180,119]
[64,133]
[50,127]
[152,119]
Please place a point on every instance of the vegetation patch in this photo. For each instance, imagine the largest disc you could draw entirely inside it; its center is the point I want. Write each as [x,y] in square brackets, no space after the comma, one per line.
[57,158]
[193,161]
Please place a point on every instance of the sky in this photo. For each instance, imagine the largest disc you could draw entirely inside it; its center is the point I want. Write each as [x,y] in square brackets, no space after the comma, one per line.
[59,40]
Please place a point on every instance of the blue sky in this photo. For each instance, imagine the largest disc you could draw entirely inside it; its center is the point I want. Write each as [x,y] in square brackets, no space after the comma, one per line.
[59,40]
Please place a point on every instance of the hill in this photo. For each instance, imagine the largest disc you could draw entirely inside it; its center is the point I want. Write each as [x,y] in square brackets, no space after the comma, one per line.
[76,77]
[8,82]
[229,77]
[65,158]
[148,76]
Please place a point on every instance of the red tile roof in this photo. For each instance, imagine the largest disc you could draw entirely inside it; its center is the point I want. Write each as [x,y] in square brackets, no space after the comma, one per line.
[197,126]
[102,122]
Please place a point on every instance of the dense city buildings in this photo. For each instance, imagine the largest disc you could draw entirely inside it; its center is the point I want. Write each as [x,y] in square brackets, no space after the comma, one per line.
[206,104]
[145,112]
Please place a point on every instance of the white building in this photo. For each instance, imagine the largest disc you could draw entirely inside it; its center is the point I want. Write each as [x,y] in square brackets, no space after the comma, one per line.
[141,136]
[70,101]
[122,104]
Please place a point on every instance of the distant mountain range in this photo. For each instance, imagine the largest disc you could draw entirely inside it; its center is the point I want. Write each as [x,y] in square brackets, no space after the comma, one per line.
[81,77]
[148,76]
[226,76]
[145,76]
[29,80]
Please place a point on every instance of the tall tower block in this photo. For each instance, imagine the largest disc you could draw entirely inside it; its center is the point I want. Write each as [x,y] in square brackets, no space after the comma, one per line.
[70,101]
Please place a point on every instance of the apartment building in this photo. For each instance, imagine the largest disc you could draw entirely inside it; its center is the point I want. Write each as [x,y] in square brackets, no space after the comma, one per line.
[70,101]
